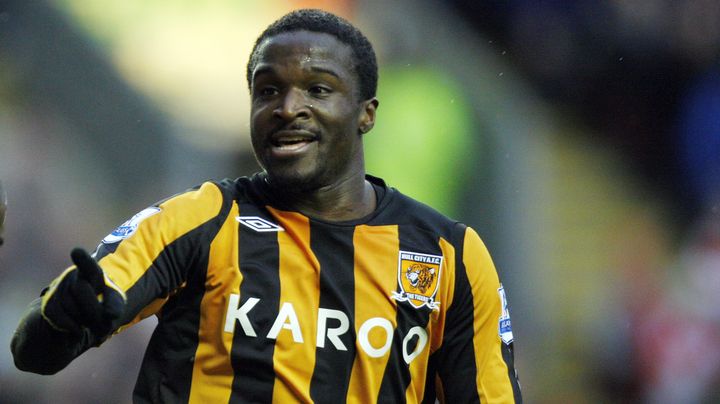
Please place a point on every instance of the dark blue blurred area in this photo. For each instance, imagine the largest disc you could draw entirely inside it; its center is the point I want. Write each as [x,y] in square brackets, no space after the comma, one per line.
[699,136]
[624,69]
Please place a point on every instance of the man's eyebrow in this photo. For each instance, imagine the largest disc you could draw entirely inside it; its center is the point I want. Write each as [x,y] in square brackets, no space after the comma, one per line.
[266,69]
[320,69]
[262,70]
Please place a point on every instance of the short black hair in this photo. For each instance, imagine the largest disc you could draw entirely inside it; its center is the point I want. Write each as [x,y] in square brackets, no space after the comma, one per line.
[321,21]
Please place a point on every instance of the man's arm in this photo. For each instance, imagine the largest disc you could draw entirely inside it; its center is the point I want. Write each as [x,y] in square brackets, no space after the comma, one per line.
[149,257]
[475,361]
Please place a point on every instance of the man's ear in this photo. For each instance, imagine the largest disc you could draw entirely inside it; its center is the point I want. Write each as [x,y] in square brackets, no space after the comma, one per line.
[366,121]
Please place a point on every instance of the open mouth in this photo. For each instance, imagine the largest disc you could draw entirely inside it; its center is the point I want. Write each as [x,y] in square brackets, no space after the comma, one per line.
[291,141]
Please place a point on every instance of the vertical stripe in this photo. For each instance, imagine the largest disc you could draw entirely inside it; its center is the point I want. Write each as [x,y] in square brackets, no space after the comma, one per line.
[445,294]
[492,377]
[293,358]
[252,356]
[456,357]
[397,376]
[376,255]
[509,358]
[166,375]
[212,370]
[333,247]
[422,375]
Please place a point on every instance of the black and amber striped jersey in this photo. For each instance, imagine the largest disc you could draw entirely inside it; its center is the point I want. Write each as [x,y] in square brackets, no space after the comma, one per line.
[260,304]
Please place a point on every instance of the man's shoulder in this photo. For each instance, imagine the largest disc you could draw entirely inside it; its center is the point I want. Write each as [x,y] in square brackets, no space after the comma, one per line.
[407,210]
[211,194]
[420,210]
[239,189]
[239,184]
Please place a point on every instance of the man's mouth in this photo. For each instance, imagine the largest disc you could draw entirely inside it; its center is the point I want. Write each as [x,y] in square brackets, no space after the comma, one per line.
[284,142]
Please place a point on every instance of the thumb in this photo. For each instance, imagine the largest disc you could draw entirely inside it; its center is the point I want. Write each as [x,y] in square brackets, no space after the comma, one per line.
[88,269]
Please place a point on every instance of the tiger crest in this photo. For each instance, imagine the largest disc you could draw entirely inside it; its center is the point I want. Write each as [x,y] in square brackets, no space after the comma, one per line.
[418,279]
[420,276]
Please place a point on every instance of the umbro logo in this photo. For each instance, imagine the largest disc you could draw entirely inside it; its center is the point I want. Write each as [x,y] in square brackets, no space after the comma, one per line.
[258,224]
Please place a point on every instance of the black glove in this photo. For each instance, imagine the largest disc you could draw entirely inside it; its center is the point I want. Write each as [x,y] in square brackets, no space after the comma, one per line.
[82,297]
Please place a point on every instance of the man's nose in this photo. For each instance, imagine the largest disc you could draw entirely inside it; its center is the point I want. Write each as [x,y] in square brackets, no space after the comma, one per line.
[293,105]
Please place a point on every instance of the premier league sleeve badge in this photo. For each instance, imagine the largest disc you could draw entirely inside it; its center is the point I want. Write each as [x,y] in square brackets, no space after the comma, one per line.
[504,325]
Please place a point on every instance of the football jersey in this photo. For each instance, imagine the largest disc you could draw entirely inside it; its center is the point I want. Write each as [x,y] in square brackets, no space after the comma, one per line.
[258,303]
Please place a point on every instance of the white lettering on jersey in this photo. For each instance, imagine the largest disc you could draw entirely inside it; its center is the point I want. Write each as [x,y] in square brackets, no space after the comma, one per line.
[240,314]
[422,341]
[364,332]
[333,334]
[288,320]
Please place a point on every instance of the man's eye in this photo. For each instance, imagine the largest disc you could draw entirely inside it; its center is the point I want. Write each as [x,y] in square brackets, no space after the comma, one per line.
[319,90]
[267,91]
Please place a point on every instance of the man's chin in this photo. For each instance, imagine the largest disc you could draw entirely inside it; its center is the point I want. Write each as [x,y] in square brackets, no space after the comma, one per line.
[292,182]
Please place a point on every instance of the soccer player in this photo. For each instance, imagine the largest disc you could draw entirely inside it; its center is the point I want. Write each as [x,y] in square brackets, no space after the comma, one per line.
[310,281]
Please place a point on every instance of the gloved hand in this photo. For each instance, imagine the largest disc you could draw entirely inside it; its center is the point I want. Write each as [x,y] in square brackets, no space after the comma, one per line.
[82,297]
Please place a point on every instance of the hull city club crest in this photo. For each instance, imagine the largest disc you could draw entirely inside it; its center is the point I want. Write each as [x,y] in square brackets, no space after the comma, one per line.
[418,279]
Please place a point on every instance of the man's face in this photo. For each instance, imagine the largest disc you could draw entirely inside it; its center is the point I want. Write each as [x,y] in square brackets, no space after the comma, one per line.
[306,113]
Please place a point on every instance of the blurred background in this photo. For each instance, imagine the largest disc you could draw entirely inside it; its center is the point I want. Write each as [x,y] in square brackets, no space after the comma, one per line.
[580,138]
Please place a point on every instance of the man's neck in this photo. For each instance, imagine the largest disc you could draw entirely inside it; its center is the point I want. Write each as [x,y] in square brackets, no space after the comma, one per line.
[350,199]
